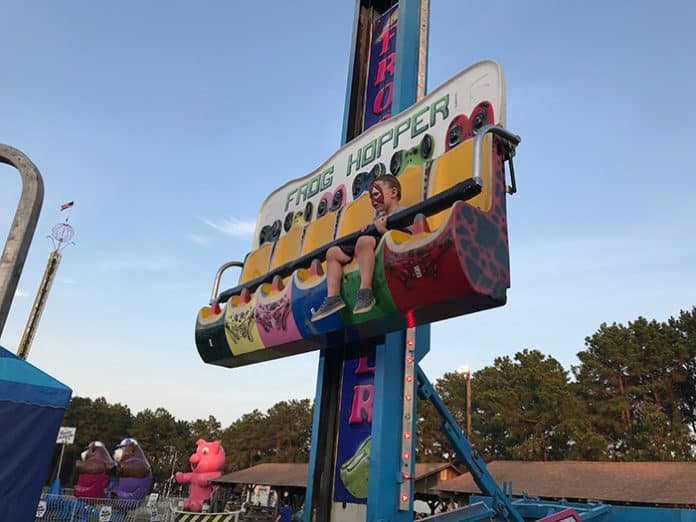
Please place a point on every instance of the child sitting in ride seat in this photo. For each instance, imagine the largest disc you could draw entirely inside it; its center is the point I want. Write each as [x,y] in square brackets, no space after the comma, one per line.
[385,194]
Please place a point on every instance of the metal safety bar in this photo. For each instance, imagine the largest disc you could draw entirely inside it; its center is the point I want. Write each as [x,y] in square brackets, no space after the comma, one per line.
[22,228]
[510,142]
[463,191]
[218,276]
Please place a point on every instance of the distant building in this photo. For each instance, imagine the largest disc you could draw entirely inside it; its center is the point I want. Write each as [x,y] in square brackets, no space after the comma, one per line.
[659,484]
[292,479]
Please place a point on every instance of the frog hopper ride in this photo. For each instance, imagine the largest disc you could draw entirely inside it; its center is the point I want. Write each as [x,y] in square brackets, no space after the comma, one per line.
[448,152]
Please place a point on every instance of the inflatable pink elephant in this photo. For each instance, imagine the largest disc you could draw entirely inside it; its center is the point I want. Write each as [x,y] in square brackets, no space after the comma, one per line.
[206,464]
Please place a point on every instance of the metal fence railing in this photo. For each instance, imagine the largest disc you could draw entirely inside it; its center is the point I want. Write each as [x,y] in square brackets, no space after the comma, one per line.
[66,508]
[70,509]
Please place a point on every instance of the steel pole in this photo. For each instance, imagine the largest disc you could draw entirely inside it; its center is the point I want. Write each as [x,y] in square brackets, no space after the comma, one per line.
[60,460]
[468,406]
[39,305]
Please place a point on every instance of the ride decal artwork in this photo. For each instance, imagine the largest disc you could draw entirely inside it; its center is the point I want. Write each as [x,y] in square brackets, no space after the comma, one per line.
[380,79]
[355,426]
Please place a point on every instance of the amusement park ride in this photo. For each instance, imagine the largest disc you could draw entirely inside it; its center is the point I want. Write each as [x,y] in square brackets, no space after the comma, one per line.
[448,150]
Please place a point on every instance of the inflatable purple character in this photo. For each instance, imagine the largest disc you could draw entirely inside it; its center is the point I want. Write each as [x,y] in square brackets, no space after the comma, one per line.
[133,470]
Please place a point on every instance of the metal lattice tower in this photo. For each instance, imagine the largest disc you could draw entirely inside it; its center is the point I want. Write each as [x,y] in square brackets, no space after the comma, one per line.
[61,235]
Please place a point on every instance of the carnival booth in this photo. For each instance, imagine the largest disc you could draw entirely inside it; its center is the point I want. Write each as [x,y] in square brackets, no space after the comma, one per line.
[32,405]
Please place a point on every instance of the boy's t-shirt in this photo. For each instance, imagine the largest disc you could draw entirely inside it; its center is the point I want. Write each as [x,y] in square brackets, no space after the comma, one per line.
[350,249]
[408,228]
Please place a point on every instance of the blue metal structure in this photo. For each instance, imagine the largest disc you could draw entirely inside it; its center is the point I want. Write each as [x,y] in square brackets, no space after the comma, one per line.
[396,371]
[473,461]
[540,510]
[392,453]
[385,500]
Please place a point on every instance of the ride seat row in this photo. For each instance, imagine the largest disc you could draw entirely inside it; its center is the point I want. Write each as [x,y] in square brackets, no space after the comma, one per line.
[452,167]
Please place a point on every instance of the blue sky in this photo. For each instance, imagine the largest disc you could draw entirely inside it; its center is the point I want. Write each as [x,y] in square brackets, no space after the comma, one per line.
[169,123]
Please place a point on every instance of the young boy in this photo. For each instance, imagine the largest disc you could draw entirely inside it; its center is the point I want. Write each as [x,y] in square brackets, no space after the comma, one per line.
[385,194]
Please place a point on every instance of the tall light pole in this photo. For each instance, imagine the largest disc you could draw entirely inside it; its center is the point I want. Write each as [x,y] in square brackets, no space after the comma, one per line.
[465,371]
[61,235]
[168,485]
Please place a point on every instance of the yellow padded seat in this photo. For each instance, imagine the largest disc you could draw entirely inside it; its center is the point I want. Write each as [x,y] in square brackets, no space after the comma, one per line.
[288,247]
[455,166]
[319,233]
[358,213]
[411,180]
[256,263]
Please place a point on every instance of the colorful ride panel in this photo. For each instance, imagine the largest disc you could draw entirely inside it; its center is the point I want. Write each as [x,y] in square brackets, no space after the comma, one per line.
[448,151]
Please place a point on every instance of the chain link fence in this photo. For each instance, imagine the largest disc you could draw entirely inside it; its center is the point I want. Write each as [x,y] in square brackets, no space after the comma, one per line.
[71,509]
[65,508]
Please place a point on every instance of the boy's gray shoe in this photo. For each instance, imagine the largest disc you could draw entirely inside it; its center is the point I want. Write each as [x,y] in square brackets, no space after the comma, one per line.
[331,305]
[365,301]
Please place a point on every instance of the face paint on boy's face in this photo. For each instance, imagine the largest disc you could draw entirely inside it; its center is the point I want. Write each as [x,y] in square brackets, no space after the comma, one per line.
[377,195]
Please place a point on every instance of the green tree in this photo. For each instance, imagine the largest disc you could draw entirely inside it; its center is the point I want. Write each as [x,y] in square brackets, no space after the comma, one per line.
[160,436]
[525,409]
[208,429]
[243,441]
[685,327]
[289,424]
[97,420]
[432,445]
[602,382]
[282,434]
[630,378]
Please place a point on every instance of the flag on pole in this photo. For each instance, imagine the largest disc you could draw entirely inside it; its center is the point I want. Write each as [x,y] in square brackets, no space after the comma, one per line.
[66,205]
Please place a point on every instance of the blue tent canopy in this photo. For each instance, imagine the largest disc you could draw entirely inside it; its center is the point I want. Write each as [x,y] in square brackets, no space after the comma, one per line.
[32,405]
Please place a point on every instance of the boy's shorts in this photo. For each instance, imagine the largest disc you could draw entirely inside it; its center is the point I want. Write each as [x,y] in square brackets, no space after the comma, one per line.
[349,250]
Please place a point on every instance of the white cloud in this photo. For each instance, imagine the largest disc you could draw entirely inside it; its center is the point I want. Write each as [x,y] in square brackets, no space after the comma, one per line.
[232,226]
[21,293]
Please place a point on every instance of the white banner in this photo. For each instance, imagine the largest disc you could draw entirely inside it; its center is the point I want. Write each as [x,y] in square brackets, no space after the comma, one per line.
[41,509]
[66,435]
[105,514]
